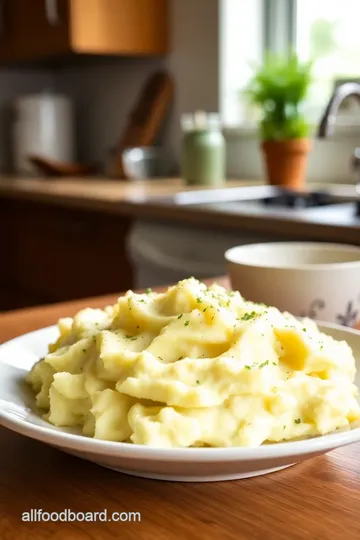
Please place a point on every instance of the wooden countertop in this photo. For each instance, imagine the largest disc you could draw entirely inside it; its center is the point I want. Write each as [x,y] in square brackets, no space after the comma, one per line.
[97,192]
[318,499]
[142,200]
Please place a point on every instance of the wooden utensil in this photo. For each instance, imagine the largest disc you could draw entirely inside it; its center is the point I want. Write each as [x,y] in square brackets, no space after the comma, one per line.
[50,167]
[146,116]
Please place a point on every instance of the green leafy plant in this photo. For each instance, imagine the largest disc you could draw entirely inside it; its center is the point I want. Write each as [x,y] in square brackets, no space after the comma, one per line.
[279,88]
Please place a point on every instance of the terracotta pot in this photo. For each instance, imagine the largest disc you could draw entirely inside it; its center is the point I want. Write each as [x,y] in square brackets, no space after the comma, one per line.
[286,162]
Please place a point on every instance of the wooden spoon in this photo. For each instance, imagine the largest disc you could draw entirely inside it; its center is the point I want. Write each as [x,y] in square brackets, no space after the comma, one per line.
[50,167]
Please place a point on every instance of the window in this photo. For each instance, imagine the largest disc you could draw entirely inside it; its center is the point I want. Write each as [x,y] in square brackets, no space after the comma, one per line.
[326,31]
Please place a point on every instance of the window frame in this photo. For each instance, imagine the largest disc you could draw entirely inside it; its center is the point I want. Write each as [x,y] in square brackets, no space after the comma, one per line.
[279,25]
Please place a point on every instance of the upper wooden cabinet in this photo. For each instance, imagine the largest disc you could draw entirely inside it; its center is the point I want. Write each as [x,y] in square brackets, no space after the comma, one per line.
[36,29]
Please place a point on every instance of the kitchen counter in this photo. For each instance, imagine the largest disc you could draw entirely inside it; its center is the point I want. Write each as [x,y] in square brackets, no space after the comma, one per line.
[95,193]
[317,499]
[152,200]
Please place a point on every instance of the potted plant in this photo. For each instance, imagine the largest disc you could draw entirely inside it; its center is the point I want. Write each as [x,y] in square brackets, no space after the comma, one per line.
[279,88]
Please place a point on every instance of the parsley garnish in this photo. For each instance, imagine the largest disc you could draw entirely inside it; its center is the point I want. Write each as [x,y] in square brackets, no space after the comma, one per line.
[264,364]
[249,316]
[148,290]
[159,357]
[197,382]
[204,309]
[199,301]
[247,367]
[181,358]
[297,421]
[179,316]
[186,323]
[84,350]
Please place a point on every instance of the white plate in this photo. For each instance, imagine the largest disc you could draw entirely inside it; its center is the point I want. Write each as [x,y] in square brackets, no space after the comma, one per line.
[18,413]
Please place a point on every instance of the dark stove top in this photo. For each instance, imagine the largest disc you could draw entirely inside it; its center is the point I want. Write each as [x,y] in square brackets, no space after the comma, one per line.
[293,199]
[322,204]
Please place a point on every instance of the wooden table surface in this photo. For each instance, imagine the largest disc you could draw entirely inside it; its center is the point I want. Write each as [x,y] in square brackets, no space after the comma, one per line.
[316,500]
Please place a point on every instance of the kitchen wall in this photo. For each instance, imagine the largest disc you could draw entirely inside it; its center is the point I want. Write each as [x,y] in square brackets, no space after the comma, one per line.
[105,90]
[105,94]
[329,160]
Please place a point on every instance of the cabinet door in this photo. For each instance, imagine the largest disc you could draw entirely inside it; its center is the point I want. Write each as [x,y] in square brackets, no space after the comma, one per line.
[64,253]
[33,29]
[129,27]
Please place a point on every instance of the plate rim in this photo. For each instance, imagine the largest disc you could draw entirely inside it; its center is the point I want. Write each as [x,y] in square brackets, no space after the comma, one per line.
[63,439]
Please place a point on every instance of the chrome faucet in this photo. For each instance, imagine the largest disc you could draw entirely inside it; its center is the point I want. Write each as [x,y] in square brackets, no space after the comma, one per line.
[326,126]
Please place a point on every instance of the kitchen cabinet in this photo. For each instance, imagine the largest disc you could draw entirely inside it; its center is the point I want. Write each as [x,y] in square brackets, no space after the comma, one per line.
[37,29]
[56,254]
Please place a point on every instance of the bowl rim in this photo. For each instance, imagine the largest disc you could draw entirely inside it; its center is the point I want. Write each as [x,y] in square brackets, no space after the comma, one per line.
[233,255]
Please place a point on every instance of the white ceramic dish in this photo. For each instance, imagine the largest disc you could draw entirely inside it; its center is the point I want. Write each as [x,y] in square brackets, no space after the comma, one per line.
[18,413]
[317,280]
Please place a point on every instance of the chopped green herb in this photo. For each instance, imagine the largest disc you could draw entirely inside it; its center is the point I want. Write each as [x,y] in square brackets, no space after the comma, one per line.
[284,427]
[249,316]
[197,382]
[297,421]
[148,290]
[247,367]
[142,301]
[186,323]
[304,329]
[181,357]
[213,317]
[84,350]
[159,357]
[204,309]
[274,363]
[199,301]
[179,316]
[264,364]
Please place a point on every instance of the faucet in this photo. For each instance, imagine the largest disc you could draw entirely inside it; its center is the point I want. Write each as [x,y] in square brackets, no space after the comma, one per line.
[326,126]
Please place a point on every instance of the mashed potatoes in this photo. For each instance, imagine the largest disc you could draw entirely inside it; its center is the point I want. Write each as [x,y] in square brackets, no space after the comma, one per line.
[195,366]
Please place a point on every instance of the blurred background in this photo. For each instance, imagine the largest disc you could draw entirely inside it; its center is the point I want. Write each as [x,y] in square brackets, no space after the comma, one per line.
[81,81]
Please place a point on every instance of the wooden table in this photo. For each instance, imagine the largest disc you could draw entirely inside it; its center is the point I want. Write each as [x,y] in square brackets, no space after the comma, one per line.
[317,500]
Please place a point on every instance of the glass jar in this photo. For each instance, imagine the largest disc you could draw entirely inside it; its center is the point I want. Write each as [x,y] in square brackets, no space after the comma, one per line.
[203,150]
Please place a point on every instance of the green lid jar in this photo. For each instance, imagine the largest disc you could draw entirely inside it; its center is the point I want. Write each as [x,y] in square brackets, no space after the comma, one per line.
[203,150]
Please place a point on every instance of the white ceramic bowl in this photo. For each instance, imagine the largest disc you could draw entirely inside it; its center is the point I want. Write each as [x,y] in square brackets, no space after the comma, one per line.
[18,413]
[317,280]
